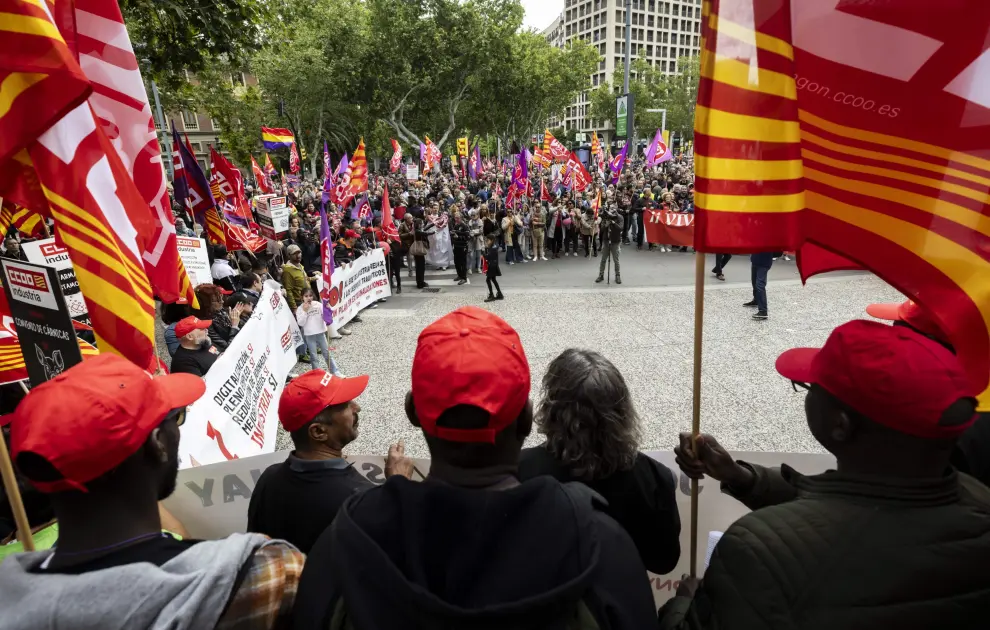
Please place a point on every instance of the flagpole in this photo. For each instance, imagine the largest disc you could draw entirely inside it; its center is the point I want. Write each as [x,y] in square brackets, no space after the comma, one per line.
[699,313]
[14,494]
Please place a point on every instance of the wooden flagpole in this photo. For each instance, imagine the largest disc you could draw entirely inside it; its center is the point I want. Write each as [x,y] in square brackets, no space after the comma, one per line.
[699,316]
[14,494]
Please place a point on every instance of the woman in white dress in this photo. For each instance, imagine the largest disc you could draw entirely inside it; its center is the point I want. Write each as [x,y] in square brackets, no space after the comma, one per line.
[441,254]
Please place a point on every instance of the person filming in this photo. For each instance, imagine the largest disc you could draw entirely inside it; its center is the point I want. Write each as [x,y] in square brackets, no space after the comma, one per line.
[611,235]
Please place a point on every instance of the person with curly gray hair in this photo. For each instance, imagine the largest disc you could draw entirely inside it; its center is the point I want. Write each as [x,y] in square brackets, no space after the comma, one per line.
[592,437]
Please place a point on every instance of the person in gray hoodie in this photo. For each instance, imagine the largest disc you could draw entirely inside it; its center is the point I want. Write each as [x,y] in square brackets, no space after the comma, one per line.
[106,464]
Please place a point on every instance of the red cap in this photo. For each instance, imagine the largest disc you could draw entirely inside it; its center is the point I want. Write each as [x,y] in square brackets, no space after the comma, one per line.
[351,234]
[309,394]
[469,357]
[189,324]
[224,291]
[889,374]
[114,407]
[911,314]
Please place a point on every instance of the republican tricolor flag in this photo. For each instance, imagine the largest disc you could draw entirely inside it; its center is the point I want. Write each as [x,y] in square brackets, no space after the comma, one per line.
[276,138]
[805,137]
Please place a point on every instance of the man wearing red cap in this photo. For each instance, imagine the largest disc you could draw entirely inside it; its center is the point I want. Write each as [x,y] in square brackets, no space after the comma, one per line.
[972,452]
[472,546]
[894,538]
[195,354]
[297,499]
[107,463]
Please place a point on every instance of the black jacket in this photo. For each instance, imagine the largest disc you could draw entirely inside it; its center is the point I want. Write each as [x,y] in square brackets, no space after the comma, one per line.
[222,331]
[641,499]
[342,254]
[840,550]
[972,452]
[431,555]
[460,235]
[611,227]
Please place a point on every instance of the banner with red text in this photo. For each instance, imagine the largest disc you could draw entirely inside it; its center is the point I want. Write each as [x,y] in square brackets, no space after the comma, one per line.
[356,285]
[669,228]
[238,415]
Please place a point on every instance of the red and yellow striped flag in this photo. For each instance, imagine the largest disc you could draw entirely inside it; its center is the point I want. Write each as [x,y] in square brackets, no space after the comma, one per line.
[358,168]
[49,129]
[26,221]
[806,135]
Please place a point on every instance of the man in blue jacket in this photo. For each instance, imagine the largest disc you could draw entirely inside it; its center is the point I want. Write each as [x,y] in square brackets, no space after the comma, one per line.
[761,267]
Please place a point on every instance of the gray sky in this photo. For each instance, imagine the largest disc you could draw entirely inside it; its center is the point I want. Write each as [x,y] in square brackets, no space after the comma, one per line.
[540,13]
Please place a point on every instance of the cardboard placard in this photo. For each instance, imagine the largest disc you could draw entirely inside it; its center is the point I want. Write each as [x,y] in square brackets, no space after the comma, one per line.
[44,327]
[192,251]
[49,253]
[212,501]
[273,216]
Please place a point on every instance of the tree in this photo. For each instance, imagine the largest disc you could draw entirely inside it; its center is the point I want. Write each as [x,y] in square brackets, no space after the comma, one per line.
[652,89]
[171,37]
[529,83]
[425,53]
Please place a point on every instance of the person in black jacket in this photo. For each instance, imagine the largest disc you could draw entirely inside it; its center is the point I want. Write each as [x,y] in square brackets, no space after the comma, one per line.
[297,499]
[460,235]
[893,538]
[761,264]
[592,436]
[611,233]
[344,251]
[492,272]
[472,546]
[227,321]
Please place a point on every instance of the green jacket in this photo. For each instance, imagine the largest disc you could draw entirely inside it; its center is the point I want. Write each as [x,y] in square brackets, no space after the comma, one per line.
[840,551]
[295,281]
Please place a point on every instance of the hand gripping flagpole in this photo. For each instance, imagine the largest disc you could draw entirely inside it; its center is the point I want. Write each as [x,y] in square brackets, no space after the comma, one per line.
[699,312]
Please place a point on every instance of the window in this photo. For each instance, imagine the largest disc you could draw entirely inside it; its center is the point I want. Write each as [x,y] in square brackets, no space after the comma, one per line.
[214,125]
[673,65]
[649,21]
[649,51]
[684,25]
[649,36]
[663,66]
[674,26]
[158,127]
[190,121]
[676,9]
[665,38]
[696,25]
[695,41]
[204,164]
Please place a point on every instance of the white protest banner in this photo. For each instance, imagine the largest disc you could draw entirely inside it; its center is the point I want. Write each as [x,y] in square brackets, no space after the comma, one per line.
[356,285]
[192,251]
[46,252]
[412,172]
[237,417]
[212,501]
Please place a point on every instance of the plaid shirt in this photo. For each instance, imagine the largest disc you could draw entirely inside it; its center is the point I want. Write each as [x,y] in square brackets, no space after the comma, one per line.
[264,598]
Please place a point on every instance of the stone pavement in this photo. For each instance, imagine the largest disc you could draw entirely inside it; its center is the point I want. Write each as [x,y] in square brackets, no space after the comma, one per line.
[644,326]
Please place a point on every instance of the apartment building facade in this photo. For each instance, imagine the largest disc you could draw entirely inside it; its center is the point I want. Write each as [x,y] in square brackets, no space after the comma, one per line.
[662,30]
[202,130]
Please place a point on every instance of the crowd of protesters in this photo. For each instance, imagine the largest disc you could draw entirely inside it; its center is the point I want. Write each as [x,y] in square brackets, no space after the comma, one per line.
[560,535]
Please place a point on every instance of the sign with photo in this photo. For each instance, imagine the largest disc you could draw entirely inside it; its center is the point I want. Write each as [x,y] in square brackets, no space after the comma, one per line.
[44,327]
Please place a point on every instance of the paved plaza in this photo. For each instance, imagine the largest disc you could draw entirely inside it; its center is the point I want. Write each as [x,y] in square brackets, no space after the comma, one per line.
[644,326]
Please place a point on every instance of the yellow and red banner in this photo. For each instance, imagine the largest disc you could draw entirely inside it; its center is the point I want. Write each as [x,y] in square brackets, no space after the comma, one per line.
[26,221]
[553,147]
[879,154]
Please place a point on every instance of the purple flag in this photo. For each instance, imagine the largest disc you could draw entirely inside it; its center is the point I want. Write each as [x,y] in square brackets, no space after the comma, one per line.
[618,162]
[651,151]
[326,252]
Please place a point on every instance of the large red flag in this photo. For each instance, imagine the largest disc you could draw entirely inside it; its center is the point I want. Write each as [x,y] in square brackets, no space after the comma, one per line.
[802,135]
[226,178]
[64,146]
[554,147]
[237,237]
[579,174]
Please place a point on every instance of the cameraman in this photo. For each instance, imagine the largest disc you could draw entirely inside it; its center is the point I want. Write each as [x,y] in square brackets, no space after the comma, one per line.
[611,235]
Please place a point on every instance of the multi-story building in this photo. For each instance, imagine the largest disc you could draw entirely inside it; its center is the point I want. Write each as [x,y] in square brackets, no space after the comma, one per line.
[662,31]
[202,130]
